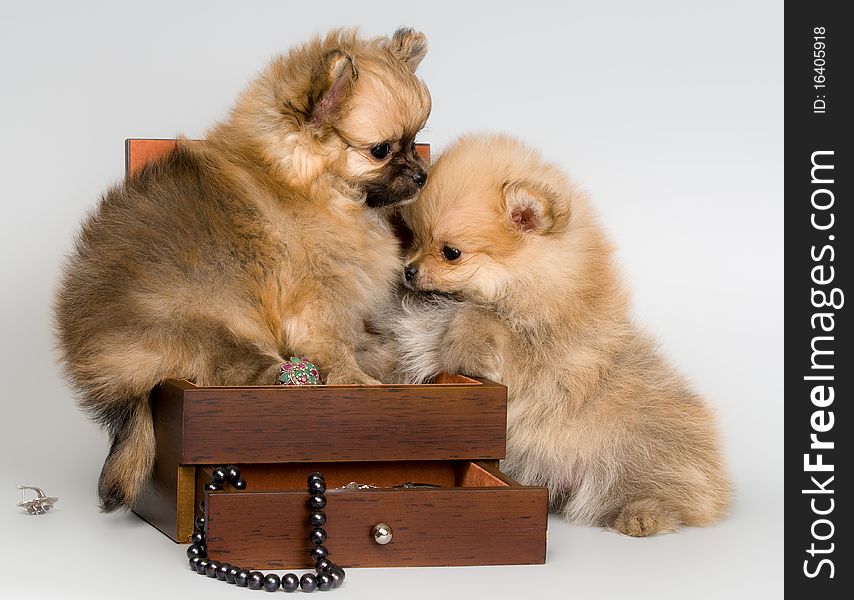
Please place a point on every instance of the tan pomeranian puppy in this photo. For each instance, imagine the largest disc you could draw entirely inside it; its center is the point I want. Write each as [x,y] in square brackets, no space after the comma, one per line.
[515,282]
[222,259]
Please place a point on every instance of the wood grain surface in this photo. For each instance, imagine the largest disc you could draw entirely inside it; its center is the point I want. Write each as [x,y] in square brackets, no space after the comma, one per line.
[277,424]
[468,524]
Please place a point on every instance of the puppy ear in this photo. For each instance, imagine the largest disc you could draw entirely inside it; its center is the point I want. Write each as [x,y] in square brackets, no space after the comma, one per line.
[529,207]
[340,73]
[408,46]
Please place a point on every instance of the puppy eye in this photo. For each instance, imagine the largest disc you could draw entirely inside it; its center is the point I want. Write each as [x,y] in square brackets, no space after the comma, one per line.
[450,253]
[380,151]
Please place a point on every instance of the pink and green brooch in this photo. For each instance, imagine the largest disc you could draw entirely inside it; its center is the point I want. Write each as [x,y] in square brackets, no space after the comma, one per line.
[299,372]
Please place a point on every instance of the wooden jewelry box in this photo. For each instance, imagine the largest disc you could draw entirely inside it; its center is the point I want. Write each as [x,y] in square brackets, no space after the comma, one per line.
[449,434]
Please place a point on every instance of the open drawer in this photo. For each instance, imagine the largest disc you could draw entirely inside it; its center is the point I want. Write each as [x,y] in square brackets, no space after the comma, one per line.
[477,516]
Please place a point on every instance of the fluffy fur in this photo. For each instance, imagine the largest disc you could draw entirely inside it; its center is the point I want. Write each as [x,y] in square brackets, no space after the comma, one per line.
[270,239]
[533,301]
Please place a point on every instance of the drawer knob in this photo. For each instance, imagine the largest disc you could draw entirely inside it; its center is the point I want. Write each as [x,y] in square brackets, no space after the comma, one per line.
[382,533]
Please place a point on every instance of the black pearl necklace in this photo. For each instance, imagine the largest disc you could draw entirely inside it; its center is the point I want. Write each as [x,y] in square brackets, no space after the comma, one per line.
[327,574]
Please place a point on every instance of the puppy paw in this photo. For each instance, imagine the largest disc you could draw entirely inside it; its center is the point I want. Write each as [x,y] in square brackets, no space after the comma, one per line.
[380,358]
[350,377]
[474,344]
[642,518]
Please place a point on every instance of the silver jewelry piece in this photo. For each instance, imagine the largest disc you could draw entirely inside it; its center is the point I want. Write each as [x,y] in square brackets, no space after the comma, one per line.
[357,486]
[38,505]
[411,485]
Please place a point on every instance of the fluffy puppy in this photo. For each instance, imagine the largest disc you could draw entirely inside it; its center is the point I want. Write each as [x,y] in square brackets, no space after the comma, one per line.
[515,282]
[270,239]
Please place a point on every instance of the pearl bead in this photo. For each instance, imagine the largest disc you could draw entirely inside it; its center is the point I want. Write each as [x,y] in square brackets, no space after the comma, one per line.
[271,582]
[210,569]
[202,566]
[194,563]
[319,552]
[195,550]
[255,580]
[317,536]
[324,582]
[241,578]
[328,576]
[219,475]
[232,571]
[290,582]
[308,582]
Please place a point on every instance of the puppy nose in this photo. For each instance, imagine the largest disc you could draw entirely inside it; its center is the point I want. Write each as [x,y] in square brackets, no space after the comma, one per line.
[410,271]
[420,178]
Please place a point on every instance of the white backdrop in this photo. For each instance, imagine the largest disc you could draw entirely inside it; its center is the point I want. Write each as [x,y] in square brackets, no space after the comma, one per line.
[669,112]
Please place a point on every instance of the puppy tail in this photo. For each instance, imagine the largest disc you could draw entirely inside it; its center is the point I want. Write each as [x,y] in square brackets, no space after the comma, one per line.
[131,459]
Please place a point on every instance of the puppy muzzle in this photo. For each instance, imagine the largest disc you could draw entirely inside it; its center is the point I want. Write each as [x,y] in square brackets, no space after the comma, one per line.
[398,183]
[409,272]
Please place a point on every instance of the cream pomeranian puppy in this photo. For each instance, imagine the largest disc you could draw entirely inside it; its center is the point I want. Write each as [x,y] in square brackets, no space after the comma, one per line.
[218,261]
[512,279]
